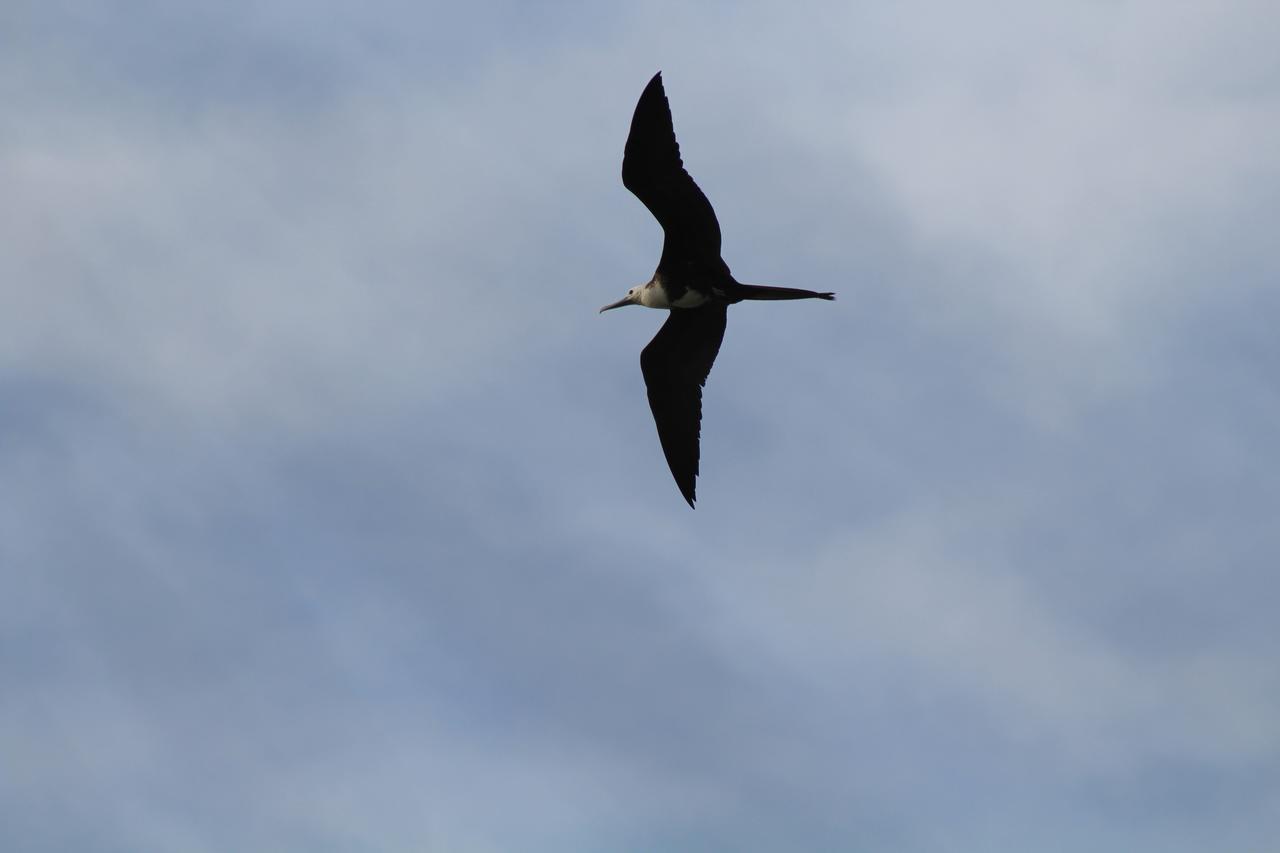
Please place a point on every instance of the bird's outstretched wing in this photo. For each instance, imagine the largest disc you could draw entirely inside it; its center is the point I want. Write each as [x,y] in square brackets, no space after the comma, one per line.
[675,366]
[653,171]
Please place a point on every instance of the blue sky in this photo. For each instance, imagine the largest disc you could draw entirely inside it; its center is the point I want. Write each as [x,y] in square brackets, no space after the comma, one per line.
[332,516]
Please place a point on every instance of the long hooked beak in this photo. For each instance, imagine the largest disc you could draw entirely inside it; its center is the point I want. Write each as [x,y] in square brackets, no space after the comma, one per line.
[626,300]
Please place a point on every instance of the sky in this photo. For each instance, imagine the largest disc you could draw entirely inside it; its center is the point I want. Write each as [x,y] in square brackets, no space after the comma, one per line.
[333,518]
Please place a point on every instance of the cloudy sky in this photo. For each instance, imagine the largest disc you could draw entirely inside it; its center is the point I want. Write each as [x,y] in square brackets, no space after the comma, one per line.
[332,516]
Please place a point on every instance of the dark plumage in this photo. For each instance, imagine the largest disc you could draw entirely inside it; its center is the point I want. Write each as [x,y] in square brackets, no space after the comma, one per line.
[691,280]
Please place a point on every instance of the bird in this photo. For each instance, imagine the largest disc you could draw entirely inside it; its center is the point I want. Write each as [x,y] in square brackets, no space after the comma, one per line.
[691,281]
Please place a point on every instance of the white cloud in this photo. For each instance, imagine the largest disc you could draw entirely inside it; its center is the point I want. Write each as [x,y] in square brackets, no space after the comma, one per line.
[939,597]
[337,515]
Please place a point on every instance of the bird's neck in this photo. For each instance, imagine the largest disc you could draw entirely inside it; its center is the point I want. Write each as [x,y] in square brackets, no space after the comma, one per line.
[660,294]
[653,294]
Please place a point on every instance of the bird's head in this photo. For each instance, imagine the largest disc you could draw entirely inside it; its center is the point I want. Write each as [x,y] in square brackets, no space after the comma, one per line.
[632,298]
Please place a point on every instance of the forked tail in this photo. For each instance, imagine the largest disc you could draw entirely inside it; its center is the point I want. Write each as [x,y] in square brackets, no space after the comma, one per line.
[758,291]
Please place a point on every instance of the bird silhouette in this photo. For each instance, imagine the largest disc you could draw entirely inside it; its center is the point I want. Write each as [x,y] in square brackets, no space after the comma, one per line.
[692,281]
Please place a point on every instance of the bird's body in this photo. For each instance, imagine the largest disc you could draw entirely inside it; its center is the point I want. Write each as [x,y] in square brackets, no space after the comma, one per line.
[692,281]
[658,293]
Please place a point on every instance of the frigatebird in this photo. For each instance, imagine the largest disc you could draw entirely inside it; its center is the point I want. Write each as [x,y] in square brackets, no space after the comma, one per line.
[692,281]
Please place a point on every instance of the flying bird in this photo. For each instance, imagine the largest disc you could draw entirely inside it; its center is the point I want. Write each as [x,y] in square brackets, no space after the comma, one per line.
[691,281]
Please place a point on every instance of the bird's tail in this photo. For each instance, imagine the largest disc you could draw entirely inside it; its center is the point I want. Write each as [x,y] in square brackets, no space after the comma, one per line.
[758,291]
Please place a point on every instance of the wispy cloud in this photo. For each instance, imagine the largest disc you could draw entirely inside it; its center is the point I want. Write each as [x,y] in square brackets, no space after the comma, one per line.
[333,516]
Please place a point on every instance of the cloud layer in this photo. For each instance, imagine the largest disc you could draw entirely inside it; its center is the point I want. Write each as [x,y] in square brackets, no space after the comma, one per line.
[333,517]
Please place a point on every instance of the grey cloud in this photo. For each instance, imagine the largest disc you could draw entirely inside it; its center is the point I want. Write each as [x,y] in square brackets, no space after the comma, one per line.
[333,517]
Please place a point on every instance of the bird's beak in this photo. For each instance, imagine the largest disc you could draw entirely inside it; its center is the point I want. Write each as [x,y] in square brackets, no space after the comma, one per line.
[626,300]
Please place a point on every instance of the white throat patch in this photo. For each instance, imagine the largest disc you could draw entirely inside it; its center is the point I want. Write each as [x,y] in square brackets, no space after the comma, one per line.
[653,295]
